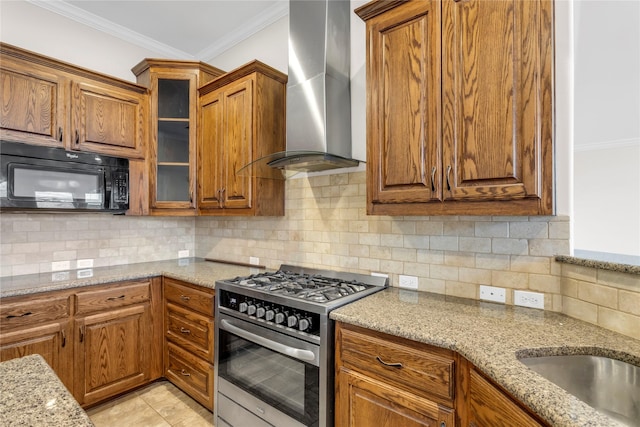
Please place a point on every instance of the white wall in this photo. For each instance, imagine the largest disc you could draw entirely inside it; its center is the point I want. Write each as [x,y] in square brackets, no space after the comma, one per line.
[33,28]
[607,127]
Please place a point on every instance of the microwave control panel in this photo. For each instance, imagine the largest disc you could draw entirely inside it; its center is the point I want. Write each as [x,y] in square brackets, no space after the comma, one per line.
[120,191]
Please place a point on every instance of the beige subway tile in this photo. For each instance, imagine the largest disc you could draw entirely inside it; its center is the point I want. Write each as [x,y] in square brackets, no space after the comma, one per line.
[460,228]
[510,246]
[629,302]
[549,247]
[474,275]
[530,264]
[416,242]
[369,239]
[443,272]
[493,261]
[509,279]
[360,251]
[445,243]
[416,269]
[430,228]
[596,294]
[559,230]
[369,264]
[528,230]
[430,256]
[391,267]
[380,252]
[26,225]
[629,282]
[475,244]
[404,254]
[460,259]
[20,269]
[435,286]
[403,227]
[380,227]
[579,272]
[459,289]
[556,300]
[580,309]
[624,323]
[392,240]
[545,283]
[491,229]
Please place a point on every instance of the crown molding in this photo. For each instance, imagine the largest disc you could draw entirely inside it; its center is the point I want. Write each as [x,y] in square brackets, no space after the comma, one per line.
[271,15]
[251,27]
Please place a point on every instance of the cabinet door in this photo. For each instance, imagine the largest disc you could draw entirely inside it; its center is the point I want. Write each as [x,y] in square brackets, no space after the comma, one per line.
[210,156]
[32,107]
[363,402]
[172,153]
[52,341]
[497,101]
[113,351]
[108,120]
[236,150]
[489,407]
[403,117]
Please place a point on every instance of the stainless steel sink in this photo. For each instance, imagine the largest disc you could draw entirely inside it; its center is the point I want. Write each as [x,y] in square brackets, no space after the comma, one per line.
[610,386]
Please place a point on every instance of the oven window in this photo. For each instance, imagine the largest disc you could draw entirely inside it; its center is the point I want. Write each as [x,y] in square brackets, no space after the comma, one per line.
[287,384]
[59,185]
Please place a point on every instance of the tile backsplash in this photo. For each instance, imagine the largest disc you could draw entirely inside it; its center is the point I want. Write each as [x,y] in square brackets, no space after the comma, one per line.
[325,226]
[31,242]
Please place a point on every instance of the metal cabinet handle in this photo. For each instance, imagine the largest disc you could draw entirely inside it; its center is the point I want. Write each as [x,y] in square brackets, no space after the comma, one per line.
[185,373]
[448,178]
[25,314]
[185,330]
[77,137]
[81,333]
[115,298]
[185,298]
[64,338]
[433,179]
[392,365]
[60,134]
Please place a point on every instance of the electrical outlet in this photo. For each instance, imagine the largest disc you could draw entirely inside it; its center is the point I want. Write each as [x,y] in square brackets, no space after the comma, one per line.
[84,263]
[183,253]
[60,265]
[254,260]
[491,293]
[408,282]
[528,299]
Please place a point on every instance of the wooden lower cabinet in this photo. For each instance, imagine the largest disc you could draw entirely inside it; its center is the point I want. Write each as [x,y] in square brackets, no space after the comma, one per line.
[488,406]
[188,321]
[365,402]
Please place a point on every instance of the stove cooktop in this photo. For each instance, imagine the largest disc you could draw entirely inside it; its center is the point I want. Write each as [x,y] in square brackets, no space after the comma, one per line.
[319,286]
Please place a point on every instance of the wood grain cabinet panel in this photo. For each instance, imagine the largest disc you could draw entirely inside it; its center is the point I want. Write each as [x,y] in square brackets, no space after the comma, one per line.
[53,103]
[242,120]
[460,107]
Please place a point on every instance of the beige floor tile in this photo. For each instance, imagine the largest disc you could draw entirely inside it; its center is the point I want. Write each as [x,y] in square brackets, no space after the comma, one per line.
[129,412]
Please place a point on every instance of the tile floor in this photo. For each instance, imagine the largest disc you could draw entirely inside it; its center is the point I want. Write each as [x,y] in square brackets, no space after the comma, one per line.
[160,404]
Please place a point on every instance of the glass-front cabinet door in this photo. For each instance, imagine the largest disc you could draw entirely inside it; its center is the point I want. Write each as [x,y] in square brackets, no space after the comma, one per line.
[174,136]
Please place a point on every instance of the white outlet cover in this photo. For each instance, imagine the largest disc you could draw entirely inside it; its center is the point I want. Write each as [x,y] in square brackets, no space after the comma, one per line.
[84,263]
[183,253]
[528,299]
[254,260]
[492,293]
[408,282]
[60,265]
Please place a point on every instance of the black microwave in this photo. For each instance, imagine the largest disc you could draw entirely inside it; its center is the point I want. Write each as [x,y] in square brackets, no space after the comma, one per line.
[37,177]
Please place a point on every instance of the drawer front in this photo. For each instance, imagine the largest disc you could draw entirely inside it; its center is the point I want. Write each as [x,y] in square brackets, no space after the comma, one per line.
[416,370]
[18,312]
[197,300]
[190,330]
[191,374]
[112,297]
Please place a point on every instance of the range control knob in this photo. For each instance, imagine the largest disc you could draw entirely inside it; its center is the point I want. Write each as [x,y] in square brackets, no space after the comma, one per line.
[260,312]
[292,320]
[251,310]
[270,314]
[242,308]
[279,319]
[304,324]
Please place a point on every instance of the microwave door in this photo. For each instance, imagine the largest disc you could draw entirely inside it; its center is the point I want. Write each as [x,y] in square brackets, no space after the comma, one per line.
[55,187]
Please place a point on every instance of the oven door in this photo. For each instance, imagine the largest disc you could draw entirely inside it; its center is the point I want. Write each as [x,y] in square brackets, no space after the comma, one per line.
[272,375]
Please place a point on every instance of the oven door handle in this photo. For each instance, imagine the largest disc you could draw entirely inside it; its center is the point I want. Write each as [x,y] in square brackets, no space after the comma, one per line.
[296,353]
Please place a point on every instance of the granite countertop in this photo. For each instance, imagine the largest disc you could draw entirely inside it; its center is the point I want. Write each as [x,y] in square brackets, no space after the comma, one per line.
[32,395]
[491,336]
[193,270]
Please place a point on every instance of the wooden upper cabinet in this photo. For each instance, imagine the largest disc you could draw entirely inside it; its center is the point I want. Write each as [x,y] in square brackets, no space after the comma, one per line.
[49,102]
[173,127]
[460,115]
[242,119]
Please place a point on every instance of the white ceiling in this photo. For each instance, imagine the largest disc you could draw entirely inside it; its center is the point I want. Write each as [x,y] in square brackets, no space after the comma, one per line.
[199,30]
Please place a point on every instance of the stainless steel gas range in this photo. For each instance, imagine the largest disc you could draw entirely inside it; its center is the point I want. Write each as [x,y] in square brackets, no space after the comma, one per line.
[274,361]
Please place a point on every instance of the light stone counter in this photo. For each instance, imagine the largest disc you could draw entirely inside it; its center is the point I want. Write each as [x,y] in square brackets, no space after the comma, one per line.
[491,336]
[32,395]
[194,270]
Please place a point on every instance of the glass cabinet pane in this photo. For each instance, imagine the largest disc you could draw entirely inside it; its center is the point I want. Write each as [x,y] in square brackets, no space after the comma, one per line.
[173,99]
[173,142]
[173,183]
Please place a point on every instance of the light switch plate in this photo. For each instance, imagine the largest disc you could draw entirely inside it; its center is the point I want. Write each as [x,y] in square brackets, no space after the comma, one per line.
[491,293]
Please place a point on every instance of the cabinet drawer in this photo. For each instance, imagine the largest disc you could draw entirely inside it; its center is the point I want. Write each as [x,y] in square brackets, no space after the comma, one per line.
[191,374]
[190,330]
[18,312]
[197,300]
[112,297]
[406,366]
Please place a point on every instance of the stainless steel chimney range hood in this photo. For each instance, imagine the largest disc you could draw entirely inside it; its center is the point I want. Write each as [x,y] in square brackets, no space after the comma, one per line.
[318,92]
